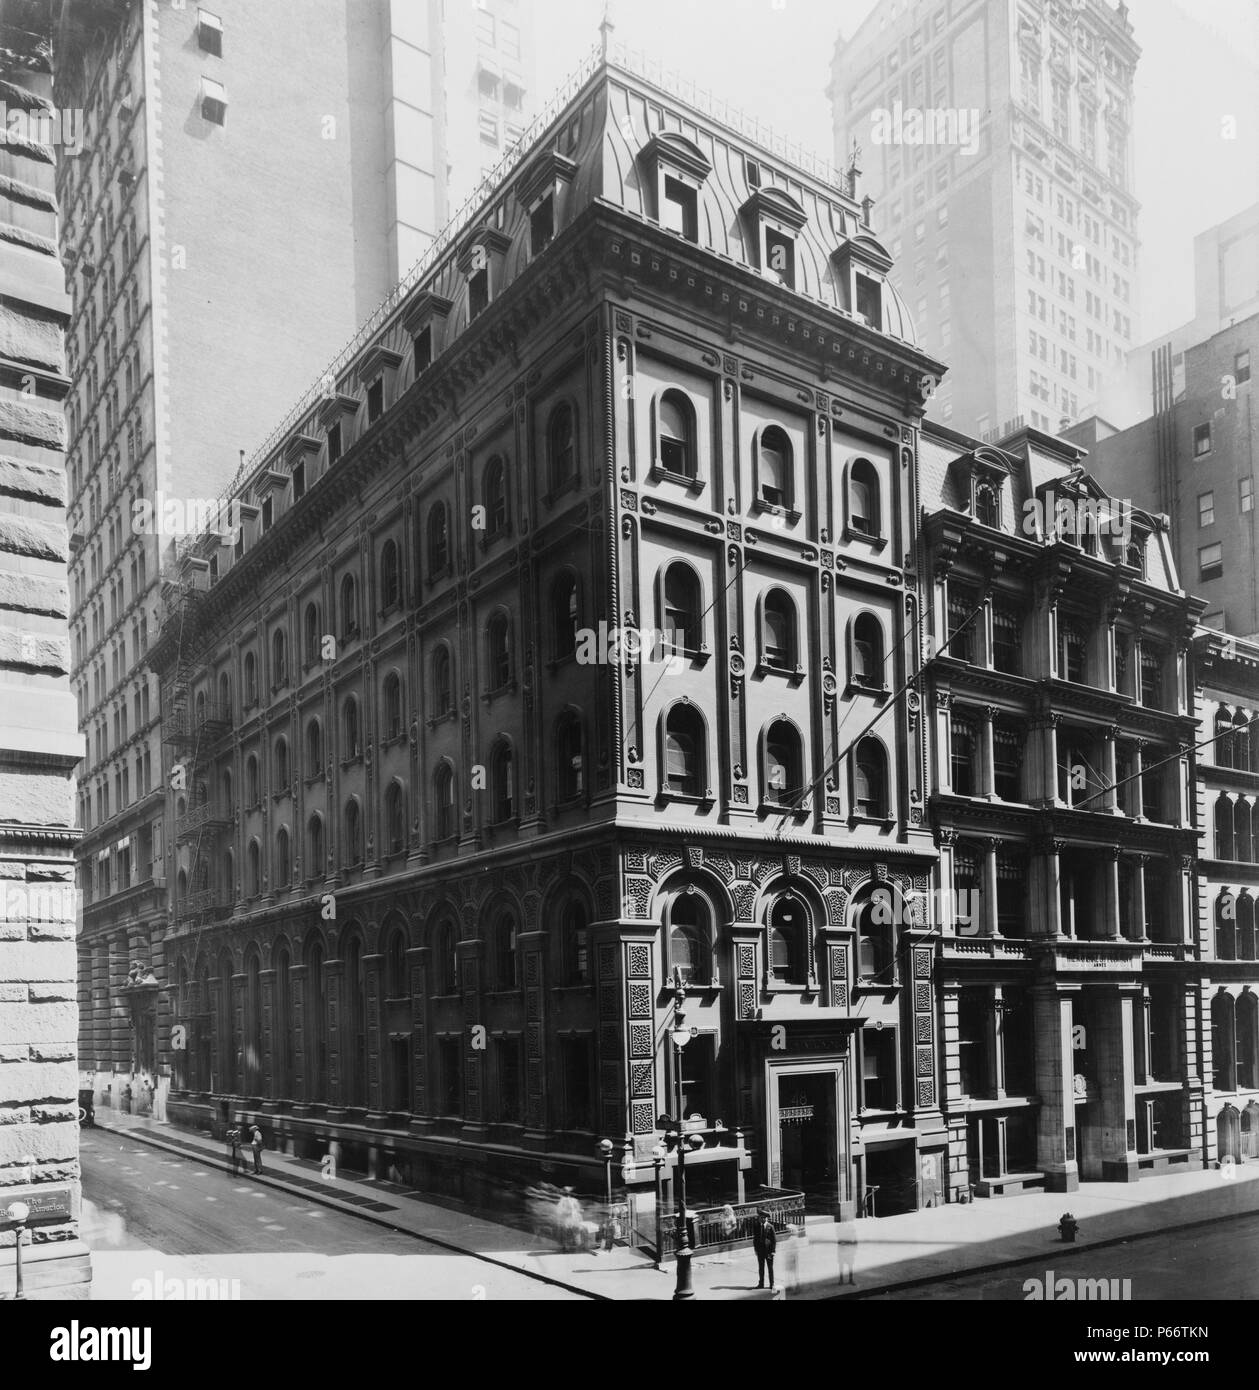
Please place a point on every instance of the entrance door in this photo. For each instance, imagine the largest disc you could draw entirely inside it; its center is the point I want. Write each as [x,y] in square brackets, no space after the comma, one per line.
[807,1136]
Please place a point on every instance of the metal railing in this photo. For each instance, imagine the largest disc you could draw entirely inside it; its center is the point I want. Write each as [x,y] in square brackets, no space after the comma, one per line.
[206,816]
[203,904]
[711,1225]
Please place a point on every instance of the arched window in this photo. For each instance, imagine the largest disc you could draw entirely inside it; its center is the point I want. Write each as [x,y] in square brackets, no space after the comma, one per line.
[1245,927]
[987,506]
[863,499]
[225,696]
[229,875]
[1223,744]
[1223,1040]
[784,765]
[870,780]
[867,651]
[1246,1037]
[502,800]
[279,659]
[316,1019]
[353,823]
[311,634]
[1223,827]
[443,693]
[283,865]
[445,959]
[675,434]
[251,679]
[390,578]
[875,945]
[350,746]
[229,802]
[681,608]
[575,936]
[1226,925]
[773,450]
[561,445]
[788,941]
[778,631]
[396,965]
[564,616]
[570,760]
[349,608]
[690,939]
[1242,830]
[438,541]
[506,957]
[498,653]
[314,748]
[395,817]
[253,789]
[181,885]
[281,764]
[282,1086]
[255,869]
[685,771]
[443,802]
[315,847]
[1245,748]
[494,497]
[1135,556]
[393,705]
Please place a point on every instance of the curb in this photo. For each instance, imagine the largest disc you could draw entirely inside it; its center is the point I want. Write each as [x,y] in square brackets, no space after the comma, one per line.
[267,1180]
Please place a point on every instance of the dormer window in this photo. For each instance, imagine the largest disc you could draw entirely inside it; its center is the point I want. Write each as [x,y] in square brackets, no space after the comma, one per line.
[677,168]
[869,302]
[419,324]
[375,400]
[780,257]
[299,481]
[478,292]
[213,102]
[542,225]
[987,506]
[480,261]
[210,33]
[679,209]
[334,442]
[423,350]
[772,220]
[332,416]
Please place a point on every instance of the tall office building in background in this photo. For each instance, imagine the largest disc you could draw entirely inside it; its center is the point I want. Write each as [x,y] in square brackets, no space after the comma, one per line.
[996,138]
[198,301]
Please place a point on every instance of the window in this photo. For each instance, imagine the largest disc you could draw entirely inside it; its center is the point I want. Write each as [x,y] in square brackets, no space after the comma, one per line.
[251,680]
[393,706]
[867,651]
[1241,368]
[778,631]
[255,869]
[478,290]
[878,1069]
[449,1050]
[494,494]
[395,818]
[502,783]
[485,27]
[423,350]
[1071,650]
[334,443]
[1007,756]
[987,506]
[1223,827]
[1201,440]
[349,608]
[443,693]
[962,756]
[869,302]
[375,400]
[675,435]
[507,1056]
[505,955]
[561,447]
[780,257]
[577,1063]
[353,827]
[213,102]
[570,758]
[542,225]
[575,937]
[870,780]
[210,33]
[253,787]
[684,772]
[1246,494]
[498,653]
[564,617]
[283,866]
[315,849]
[281,765]
[1152,664]
[311,634]
[863,499]
[784,765]
[962,620]
[681,621]
[1206,509]
[508,39]
[679,209]
[1007,639]
[390,581]
[774,460]
[689,939]
[788,941]
[314,749]
[444,802]
[350,746]
[438,541]
[1210,562]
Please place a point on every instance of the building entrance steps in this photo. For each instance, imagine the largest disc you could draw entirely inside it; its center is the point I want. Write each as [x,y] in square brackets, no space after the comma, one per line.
[828,1259]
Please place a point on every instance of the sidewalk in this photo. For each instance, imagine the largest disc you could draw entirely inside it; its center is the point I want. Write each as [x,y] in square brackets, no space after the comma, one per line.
[850,1260]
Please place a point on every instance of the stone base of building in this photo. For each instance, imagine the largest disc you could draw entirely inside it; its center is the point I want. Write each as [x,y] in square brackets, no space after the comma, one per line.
[1121,1169]
[1067,1180]
[60,1270]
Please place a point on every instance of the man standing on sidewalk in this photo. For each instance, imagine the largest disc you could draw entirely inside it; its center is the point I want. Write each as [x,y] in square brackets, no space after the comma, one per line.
[765,1243]
[255,1141]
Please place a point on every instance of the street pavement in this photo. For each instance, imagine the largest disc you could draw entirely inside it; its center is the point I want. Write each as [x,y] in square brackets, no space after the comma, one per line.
[901,1256]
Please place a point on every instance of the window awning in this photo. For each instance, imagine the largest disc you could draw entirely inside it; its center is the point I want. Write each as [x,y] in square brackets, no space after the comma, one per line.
[210,21]
[213,91]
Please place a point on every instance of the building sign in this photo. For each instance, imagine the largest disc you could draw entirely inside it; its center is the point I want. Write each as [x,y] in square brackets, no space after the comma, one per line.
[50,1205]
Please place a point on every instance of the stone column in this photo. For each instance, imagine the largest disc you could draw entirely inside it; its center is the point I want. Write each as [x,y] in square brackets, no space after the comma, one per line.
[1110,868]
[1138,897]
[1049,761]
[1109,799]
[996,1046]
[266,982]
[300,1037]
[988,895]
[942,744]
[372,1033]
[1045,876]
[1110,1040]
[987,760]
[1136,798]
[1055,1131]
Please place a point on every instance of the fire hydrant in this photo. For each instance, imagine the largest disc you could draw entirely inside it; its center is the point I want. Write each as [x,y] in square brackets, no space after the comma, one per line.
[1068,1227]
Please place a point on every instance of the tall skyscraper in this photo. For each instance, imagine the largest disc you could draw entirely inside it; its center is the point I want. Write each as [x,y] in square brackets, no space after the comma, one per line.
[198,302]
[996,138]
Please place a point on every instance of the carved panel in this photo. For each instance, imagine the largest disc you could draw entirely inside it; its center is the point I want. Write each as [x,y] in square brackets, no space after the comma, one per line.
[607,962]
[925,1060]
[926,1093]
[747,958]
[636,861]
[641,1079]
[640,1039]
[922,962]
[637,897]
[922,1028]
[608,1000]
[744,896]
[747,998]
[643,1117]
[640,1000]
[839,962]
[639,962]
[922,999]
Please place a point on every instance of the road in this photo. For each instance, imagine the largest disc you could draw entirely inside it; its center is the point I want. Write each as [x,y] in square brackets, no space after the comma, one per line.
[154,1216]
[1211,1261]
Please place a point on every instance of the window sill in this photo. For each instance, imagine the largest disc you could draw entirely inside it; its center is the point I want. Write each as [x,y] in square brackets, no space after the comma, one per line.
[888,822]
[489,696]
[445,717]
[878,1113]
[794,674]
[667,994]
[772,986]
[569,484]
[507,823]
[687,798]
[444,841]
[659,474]
[435,576]
[762,507]
[394,607]
[398,737]
[313,778]
[353,758]
[876,692]
[868,986]
[775,808]
[877,543]
[490,538]
[572,988]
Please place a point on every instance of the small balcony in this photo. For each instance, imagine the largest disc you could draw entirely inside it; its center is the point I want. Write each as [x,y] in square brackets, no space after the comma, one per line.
[202,723]
[208,818]
[196,906]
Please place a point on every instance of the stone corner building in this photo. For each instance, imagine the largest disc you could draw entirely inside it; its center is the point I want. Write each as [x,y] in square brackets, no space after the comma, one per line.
[39,1135]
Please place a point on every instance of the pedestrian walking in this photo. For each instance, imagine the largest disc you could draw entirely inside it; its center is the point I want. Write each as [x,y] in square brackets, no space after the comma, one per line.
[765,1243]
[234,1154]
[255,1142]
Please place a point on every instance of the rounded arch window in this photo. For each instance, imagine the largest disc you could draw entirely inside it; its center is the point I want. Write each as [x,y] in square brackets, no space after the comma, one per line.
[575,941]
[315,846]
[684,771]
[870,798]
[281,764]
[778,634]
[788,940]
[443,802]
[681,608]
[396,817]
[353,824]
[564,616]
[390,578]
[863,499]
[314,748]
[784,765]
[350,747]
[690,939]
[867,650]
[675,434]
[393,705]
[506,955]
[438,541]
[498,652]
[349,608]
[561,438]
[774,467]
[876,946]
[987,505]
[502,782]
[494,495]
[443,696]
[255,869]
[310,627]
[283,863]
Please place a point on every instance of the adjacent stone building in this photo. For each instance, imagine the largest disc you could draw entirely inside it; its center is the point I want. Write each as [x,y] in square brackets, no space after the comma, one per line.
[39,1132]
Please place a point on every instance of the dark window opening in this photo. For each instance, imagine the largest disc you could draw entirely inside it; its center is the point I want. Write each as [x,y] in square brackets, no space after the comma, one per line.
[478,292]
[542,225]
[679,209]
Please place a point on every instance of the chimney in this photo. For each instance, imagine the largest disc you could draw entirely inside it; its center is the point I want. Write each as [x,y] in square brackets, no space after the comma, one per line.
[867,203]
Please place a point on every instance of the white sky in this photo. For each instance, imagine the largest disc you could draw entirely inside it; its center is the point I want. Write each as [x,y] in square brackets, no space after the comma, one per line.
[773,60]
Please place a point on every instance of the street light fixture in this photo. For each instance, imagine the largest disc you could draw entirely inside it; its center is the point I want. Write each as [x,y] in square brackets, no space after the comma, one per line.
[681,1035]
[17,1213]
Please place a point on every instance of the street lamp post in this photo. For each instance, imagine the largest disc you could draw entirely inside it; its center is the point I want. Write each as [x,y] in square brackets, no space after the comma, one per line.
[17,1213]
[681,1035]
[657,1158]
[606,1148]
